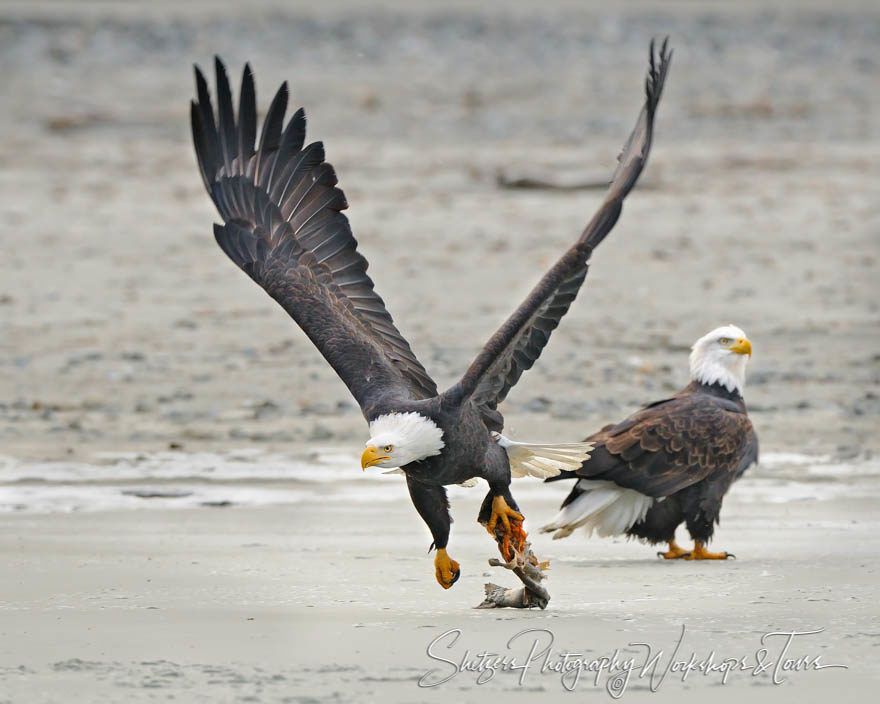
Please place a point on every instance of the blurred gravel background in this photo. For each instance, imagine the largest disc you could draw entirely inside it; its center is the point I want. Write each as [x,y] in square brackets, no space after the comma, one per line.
[122,326]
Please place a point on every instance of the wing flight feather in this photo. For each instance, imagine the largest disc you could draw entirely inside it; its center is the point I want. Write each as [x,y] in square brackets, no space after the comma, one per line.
[516,346]
[285,228]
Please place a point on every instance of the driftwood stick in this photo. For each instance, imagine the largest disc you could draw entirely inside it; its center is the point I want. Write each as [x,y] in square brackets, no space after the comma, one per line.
[529,570]
[533,182]
[555,181]
[501,598]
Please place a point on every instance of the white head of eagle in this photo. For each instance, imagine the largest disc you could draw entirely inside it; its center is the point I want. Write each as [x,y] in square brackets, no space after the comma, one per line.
[397,439]
[720,358]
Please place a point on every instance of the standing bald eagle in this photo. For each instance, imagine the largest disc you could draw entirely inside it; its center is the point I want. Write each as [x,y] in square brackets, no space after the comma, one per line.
[671,462]
[283,227]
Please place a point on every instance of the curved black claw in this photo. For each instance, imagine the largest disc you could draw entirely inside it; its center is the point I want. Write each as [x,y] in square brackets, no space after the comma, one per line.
[446,570]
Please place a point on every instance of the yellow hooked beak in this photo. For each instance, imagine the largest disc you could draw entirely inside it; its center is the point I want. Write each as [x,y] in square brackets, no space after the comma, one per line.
[742,346]
[372,456]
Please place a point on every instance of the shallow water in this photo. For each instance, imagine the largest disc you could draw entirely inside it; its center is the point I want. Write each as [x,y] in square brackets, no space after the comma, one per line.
[162,480]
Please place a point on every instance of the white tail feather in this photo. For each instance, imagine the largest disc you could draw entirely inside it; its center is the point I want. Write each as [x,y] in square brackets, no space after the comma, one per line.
[543,460]
[604,507]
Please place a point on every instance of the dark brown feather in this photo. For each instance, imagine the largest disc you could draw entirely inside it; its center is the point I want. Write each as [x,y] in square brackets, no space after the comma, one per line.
[673,444]
[284,228]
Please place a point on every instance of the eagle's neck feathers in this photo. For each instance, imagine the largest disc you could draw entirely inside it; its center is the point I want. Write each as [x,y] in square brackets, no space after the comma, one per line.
[732,375]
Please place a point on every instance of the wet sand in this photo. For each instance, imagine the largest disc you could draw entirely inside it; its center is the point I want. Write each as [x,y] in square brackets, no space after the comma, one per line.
[293,604]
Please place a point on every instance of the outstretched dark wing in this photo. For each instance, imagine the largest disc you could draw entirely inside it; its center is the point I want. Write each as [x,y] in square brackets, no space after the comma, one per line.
[519,342]
[670,445]
[284,228]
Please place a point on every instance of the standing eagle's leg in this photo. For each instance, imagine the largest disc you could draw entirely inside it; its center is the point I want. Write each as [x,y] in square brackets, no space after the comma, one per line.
[702,510]
[433,506]
[659,526]
[675,552]
[700,553]
[500,514]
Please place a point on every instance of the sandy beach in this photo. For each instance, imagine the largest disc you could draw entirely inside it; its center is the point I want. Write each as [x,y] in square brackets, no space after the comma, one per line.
[183,515]
[290,604]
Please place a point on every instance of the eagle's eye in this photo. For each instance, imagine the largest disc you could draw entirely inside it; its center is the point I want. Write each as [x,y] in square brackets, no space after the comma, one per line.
[388,448]
[724,341]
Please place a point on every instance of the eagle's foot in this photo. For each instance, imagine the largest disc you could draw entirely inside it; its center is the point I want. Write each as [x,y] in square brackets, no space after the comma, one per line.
[512,536]
[675,552]
[700,553]
[445,569]
[502,512]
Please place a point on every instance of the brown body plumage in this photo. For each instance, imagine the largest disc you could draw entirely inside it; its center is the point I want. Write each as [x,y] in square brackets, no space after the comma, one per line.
[672,461]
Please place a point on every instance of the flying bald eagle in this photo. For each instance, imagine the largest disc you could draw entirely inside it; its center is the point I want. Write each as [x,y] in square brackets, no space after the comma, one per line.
[671,462]
[284,228]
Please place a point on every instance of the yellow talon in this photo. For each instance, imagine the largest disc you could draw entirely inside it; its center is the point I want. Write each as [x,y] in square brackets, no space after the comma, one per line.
[700,553]
[445,569]
[511,523]
[502,512]
[675,552]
